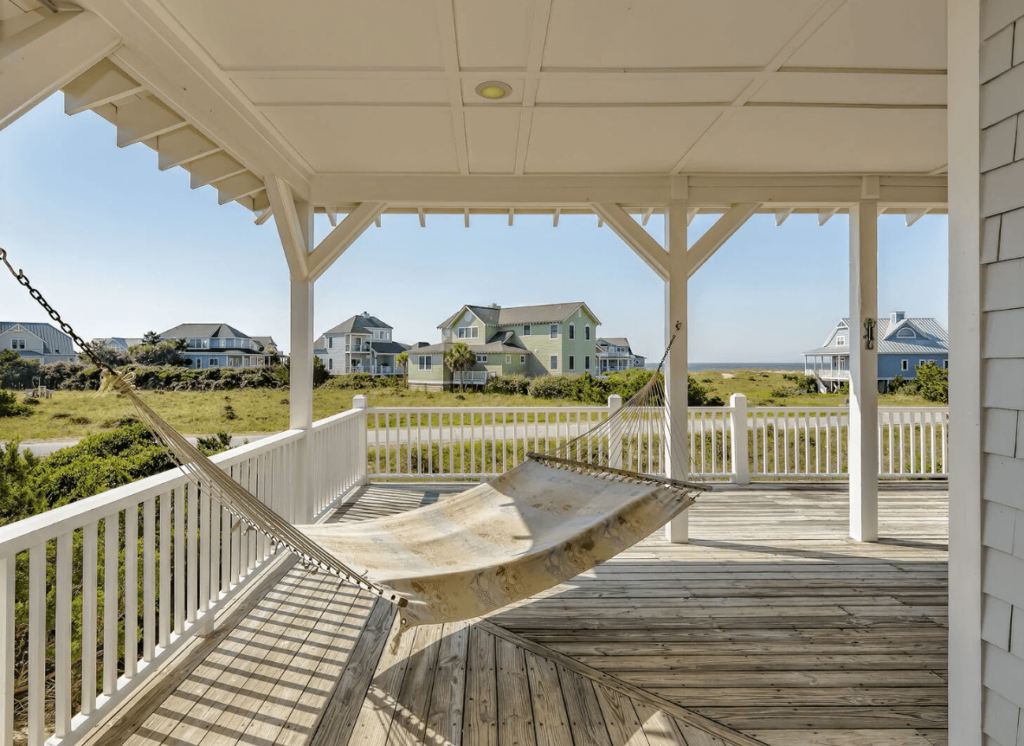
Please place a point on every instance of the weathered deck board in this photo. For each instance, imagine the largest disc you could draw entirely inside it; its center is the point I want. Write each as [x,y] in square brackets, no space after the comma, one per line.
[770,627]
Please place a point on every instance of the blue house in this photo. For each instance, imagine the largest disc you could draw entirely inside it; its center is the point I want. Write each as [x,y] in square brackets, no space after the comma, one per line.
[903,344]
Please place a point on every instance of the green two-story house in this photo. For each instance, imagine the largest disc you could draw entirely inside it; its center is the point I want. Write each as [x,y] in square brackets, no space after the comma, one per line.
[558,338]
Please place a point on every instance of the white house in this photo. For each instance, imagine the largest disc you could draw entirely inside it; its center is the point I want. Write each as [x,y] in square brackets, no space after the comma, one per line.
[117,344]
[42,342]
[219,346]
[614,353]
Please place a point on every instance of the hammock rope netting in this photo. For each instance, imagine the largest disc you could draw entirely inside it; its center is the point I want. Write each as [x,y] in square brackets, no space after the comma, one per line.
[556,514]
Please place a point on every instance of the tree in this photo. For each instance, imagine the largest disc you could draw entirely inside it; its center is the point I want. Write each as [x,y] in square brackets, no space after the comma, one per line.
[933,382]
[402,361]
[150,339]
[459,358]
[163,353]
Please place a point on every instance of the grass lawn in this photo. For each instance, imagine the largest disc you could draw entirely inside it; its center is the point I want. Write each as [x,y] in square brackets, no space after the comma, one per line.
[72,414]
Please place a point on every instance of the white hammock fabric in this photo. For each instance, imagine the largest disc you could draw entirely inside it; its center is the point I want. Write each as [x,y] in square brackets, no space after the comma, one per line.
[528,530]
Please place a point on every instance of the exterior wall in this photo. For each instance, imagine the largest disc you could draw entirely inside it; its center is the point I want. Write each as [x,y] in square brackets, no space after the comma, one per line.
[892,365]
[578,347]
[1002,385]
[202,359]
[32,342]
[436,376]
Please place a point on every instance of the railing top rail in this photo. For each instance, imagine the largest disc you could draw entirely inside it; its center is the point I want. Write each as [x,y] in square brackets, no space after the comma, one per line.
[328,421]
[21,535]
[485,410]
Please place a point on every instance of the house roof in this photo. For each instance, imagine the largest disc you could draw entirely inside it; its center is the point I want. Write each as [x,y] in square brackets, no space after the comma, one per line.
[614,341]
[543,314]
[361,323]
[387,347]
[934,342]
[184,331]
[490,348]
[268,343]
[124,342]
[55,342]
[320,344]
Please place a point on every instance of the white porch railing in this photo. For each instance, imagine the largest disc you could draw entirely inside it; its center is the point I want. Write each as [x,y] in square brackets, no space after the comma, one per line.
[780,442]
[470,377]
[81,566]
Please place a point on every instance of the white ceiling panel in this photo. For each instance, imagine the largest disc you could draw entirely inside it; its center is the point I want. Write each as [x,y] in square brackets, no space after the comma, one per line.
[255,34]
[491,134]
[370,138]
[354,90]
[900,34]
[671,33]
[855,88]
[640,90]
[608,140]
[799,139]
[493,34]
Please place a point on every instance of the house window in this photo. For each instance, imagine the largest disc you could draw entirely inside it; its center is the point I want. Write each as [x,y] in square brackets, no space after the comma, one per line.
[921,362]
[235,361]
[906,334]
[945,364]
[330,363]
[425,362]
[572,362]
[554,331]
[572,331]
[17,344]
[586,359]
[330,342]
[214,363]
[904,364]
[481,358]
[586,332]
[840,341]
[554,362]
[469,332]
[508,359]
[522,359]
[526,330]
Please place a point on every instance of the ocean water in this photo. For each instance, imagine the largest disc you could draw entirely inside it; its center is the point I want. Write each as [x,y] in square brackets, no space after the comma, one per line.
[696,367]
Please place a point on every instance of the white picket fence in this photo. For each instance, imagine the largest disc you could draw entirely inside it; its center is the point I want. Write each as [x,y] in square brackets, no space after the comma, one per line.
[779,442]
[191,555]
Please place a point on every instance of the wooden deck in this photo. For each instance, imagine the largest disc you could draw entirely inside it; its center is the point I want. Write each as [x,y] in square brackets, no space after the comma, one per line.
[769,627]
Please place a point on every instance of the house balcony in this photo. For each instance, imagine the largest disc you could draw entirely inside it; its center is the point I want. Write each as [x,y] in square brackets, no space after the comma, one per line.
[374,370]
[828,374]
[769,627]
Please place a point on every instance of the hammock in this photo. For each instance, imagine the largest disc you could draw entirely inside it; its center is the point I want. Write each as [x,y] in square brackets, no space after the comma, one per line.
[552,517]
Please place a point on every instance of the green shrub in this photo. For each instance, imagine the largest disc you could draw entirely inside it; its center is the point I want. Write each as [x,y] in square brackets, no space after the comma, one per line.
[16,372]
[551,387]
[357,381]
[214,444]
[9,406]
[589,390]
[933,383]
[701,396]
[515,383]
[806,384]
[626,383]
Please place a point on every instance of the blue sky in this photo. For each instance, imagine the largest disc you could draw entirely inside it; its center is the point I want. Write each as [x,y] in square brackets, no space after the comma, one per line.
[121,248]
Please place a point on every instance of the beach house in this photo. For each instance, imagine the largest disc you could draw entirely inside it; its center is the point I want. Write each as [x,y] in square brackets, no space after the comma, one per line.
[360,344]
[615,354]
[218,346]
[32,341]
[902,343]
[529,340]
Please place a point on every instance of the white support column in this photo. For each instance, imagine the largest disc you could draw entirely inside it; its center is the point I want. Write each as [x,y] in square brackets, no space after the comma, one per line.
[738,433]
[614,444]
[678,529]
[300,396]
[360,404]
[863,448]
[38,60]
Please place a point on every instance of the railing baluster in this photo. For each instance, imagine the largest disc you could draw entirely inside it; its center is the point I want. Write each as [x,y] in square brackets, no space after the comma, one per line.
[62,639]
[148,579]
[111,551]
[191,553]
[8,583]
[131,591]
[165,569]
[204,548]
[37,645]
[90,568]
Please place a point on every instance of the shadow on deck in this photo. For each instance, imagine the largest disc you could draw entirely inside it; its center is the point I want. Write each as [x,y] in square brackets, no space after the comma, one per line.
[770,627]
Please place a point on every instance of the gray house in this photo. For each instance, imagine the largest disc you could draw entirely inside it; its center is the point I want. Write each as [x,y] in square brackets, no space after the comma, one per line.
[903,344]
[360,344]
[43,342]
[614,354]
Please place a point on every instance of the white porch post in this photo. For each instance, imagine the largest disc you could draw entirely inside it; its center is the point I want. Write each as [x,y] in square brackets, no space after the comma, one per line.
[863,448]
[300,397]
[678,529]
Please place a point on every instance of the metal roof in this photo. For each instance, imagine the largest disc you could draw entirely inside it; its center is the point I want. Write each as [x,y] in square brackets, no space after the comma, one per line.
[614,341]
[551,313]
[55,342]
[934,339]
[214,331]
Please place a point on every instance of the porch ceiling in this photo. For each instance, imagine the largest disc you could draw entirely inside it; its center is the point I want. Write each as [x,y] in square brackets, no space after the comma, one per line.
[336,90]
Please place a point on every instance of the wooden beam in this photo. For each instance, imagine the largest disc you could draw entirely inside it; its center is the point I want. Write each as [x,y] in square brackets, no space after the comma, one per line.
[423,217]
[377,221]
[824,215]
[145,119]
[264,216]
[555,216]
[465,214]
[691,213]
[183,146]
[914,215]
[103,83]
[44,57]
[338,240]
[332,216]
[718,234]
[211,168]
[647,216]
[294,241]
[450,54]
[244,184]
[635,237]
[781,215]
[534,58]
[511,216]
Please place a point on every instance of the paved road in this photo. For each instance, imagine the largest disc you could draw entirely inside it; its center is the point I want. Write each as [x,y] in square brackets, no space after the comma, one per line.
[44,448]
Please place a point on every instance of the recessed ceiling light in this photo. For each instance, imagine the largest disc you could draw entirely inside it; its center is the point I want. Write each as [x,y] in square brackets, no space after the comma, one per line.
[493,89]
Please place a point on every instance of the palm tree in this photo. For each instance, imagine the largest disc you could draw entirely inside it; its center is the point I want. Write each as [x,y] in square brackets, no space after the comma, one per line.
[460,359]
[150,339]
[402,361]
